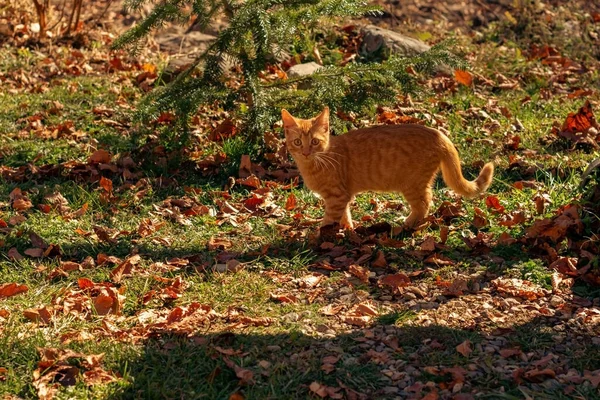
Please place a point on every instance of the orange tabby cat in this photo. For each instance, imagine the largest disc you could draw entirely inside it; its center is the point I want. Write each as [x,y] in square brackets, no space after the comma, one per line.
[389,158]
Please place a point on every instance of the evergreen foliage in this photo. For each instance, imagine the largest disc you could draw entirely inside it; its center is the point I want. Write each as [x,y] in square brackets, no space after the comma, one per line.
[259,31]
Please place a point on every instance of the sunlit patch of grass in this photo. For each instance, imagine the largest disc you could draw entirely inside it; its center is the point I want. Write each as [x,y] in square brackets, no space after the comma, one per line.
[532,270]
[398,318]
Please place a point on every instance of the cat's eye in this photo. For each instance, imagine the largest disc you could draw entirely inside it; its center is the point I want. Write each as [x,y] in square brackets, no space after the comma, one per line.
[297,142]
[314,142]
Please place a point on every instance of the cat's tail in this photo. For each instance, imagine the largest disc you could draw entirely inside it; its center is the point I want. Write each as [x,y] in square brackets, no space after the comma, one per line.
[451,171]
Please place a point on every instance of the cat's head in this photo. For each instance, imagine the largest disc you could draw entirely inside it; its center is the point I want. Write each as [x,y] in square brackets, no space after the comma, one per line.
[306,137]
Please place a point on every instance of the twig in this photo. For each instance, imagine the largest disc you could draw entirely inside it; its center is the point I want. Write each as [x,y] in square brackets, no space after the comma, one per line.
[97,19]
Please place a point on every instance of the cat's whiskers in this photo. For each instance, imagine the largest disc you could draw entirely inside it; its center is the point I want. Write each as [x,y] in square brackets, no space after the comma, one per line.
[321,162]
[329,159]
[318,162]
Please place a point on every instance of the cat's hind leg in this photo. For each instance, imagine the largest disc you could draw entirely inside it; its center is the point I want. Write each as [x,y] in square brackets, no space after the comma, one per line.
[419,206]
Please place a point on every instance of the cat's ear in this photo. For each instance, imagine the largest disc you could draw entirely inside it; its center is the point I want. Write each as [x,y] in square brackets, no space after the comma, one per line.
[288,120]
[323,119]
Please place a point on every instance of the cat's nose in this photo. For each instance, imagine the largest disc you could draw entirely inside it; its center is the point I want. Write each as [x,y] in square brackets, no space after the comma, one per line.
[305,153]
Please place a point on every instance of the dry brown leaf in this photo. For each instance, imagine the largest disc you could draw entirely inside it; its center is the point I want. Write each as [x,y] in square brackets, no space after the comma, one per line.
[581,127]
[538,376]
[217,243]
[14,254]
[245,375]
[250,181]
[518,288]
[43,315]
[100,156]
[22,204]
[380,261]
[236,396]
[505,353]
[361,273]
[331,309]
[428,244]
[125,268]
[465,348]
[395,281]
[284,298]
[34,252]
[566,266]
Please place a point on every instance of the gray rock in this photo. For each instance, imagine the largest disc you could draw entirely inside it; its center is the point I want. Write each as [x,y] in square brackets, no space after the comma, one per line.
[377,39]
[300,70]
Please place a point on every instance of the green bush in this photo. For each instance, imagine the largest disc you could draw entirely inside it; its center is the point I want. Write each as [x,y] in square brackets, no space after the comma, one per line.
[258,32]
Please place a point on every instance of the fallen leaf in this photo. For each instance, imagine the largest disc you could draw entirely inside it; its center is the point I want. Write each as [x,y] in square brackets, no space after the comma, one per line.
[463,77]
[12,289]
[493,203]
[505,353]
[361,273]
[14,254]
[538,376]
[22,204]
[106,184]
[428,244]
[284,298]
[318,389]
[380,261]
[579,127]
[290,203]
[100,156]
[465,348]
[518,288]
[103,304]
[395,281]
[124,268]
[245,375]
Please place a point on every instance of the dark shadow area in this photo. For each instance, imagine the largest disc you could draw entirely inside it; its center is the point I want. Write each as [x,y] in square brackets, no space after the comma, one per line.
[379,362]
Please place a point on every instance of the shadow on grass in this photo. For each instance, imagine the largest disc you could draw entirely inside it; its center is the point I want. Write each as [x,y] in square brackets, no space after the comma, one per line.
[365,360]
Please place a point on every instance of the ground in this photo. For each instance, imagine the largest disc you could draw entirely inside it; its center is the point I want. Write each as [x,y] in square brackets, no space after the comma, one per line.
[134,268]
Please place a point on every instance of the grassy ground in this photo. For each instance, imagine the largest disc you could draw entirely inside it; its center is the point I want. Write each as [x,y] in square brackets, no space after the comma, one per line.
[216,293]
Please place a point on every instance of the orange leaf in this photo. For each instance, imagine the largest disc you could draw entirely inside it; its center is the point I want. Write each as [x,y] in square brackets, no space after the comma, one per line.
[581,121]
[12,289]
[85,283]
[106,184]
[290,203]
[463,77]
[251,181]
[253,202]
[494,203]
[45,208]
[103,304]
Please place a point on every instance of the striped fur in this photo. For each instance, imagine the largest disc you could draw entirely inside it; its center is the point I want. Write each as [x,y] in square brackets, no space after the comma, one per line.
[389,158]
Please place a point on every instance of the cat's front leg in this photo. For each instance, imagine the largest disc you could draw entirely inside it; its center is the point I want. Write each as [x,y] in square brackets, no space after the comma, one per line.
[337,210]
[346,220]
